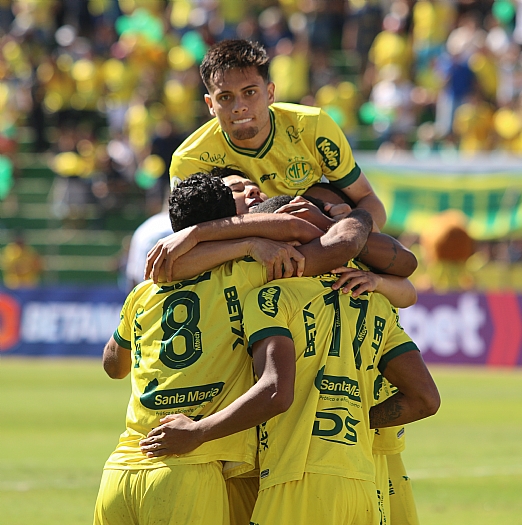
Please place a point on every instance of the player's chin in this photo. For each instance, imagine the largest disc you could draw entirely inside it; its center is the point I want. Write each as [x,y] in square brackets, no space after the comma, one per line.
[245,133]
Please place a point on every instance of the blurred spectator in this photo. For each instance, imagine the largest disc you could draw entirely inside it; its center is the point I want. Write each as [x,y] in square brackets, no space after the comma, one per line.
[21,264]
[446,247]
[458,77]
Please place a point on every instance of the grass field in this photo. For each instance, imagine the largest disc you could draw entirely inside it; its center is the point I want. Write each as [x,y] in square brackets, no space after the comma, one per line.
[61,419]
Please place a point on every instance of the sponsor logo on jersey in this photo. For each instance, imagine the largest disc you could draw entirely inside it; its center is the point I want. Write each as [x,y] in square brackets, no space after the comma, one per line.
[262,437]
[298,173]
[309,325]
[264,473]
[214,158]
[329,151]
[267,176]
[178,397]
[294,134]
[337,385]
[235,315]
[267,299]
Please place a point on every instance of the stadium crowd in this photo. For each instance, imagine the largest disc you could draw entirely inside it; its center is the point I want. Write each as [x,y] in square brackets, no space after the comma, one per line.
[107,89]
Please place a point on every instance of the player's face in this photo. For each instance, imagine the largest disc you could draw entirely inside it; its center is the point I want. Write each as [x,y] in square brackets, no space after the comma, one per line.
[239,99]
[246,193]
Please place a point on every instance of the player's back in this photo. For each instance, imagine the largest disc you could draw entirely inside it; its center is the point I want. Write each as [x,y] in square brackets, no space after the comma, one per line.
[189,354]
[339,341]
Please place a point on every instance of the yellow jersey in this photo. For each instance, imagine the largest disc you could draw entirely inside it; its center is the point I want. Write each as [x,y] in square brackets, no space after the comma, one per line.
[304,144]
[340,342]
[189,355]
[388,440]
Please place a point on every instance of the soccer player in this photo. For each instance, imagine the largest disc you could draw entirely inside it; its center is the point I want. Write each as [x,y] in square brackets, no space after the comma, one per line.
[284,148]
[382,252]
[318,355]
[184,346]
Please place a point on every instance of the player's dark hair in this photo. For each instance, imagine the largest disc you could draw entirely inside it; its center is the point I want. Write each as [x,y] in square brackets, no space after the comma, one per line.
[226,171]
[333,189]
[232,54]
[274,203]
[200,198]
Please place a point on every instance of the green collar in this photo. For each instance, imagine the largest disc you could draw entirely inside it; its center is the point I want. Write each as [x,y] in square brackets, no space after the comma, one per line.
[265,147]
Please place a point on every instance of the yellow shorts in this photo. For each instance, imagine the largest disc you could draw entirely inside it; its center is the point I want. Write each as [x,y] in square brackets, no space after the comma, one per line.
[242,496]
[318,498]
[383,486]
[402,504]
[179,495]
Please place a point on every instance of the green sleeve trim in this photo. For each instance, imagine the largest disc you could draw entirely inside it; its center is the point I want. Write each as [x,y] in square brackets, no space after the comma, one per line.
[122,342]
[396,352]
[268,332]
[347,179]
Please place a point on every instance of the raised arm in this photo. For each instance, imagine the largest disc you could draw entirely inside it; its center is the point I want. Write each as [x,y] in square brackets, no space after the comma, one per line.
[362,194]
[417,398]
[277,257]
[384,254]
[342,242]
[274,364]
[271,226]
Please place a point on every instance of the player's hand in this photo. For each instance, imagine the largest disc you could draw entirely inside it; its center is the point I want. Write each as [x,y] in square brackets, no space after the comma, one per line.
[277,257]
[304,209]
[166,251]
[356,281]
[176,435]
[337,211]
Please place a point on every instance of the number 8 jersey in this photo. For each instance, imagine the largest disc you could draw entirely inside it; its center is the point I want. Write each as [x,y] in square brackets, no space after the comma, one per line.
[189,355]
[341,343]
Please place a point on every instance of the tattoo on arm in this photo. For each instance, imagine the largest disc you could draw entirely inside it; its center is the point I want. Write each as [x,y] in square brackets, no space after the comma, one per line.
[386,412]
[392,262]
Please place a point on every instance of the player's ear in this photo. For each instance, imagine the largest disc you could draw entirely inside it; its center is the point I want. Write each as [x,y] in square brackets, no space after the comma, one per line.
[208,101]
[270,87]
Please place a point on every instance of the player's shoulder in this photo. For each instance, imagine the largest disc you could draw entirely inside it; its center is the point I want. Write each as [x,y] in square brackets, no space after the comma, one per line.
[141,293]
[200,137]
[292,110]
[245,272]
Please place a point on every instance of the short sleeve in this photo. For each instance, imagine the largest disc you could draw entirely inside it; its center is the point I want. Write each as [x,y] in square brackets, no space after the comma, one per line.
[334,153]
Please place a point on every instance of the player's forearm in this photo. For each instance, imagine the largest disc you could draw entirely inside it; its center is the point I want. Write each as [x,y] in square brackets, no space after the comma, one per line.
[399,410]
[384,254]
[343,241]
[278,227]
[208,255]
[259,404]
[274,364]
[417,397]
[398,290]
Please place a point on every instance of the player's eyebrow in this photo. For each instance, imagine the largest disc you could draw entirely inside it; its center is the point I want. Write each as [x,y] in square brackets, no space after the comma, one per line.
[242,181]
[228,91]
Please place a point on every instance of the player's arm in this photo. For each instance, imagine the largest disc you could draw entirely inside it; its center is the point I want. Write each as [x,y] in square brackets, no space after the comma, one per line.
[417,397]
[384,254]
[116,360]
[362,194]
[274,364]
[398,290]
[271,226]
[342,242]
[277,257]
